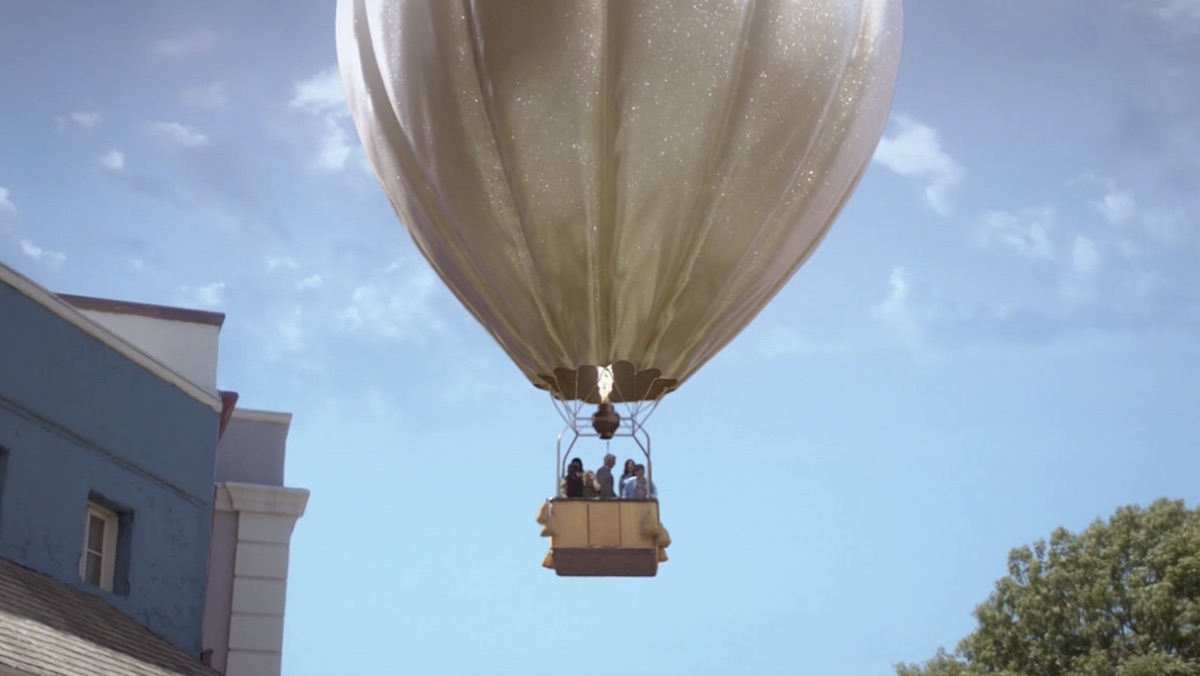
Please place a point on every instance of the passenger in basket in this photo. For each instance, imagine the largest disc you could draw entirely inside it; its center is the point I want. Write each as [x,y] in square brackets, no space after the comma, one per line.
[638,487]
[590,489]
[627,474]
[574,480]
[604,477]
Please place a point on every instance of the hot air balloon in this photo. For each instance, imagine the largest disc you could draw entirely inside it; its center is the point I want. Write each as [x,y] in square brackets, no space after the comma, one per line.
[615,188]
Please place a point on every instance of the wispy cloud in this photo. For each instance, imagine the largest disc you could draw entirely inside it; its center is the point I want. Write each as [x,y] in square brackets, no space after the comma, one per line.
[209,295]
[178,134]
[52,259]
[82,119]
[113,160]
[6,203]
[323,97]
[915,152]
[334,148]
[1085,257]
[272,263]
[897,311]
[1093,291]
[289,331]
[1026,233]
[1166,226]
[311,282]
[395,306]
[211,95]
[1128,259]
[1081,282]
[183,44]
[1182,15]
[779,340]
[323,301]
[1119,207]
[927,324]
[286,329]
[322,92]
[928,321]
[475,378]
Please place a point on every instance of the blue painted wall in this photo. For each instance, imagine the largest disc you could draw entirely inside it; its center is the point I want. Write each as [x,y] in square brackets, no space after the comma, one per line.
[77,418]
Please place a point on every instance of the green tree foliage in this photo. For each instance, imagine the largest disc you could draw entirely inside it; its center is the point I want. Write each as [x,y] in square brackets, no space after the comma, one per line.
[1121,598]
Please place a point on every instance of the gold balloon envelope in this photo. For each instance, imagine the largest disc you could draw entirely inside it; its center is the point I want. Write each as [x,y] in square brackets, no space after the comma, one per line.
[618,182]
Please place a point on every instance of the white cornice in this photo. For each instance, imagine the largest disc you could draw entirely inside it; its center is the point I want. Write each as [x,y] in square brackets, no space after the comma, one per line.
[234,496]
[41,296]
[269,417]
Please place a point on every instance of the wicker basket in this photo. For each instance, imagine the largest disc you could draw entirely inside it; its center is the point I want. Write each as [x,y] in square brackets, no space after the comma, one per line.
[598,562]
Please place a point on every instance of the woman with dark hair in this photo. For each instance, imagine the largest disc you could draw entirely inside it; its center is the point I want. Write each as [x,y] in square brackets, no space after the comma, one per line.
[574,479]
[627,473]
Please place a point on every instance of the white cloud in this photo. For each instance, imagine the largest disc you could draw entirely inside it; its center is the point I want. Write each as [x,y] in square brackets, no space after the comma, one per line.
[898,312]
[322,92]
[1117,206]
[1085,257]
[1166,226]
[273,263]
[473,378]
[283,332]
[1026,233]
[915,152]
[334,148]
[396,307]
[1179,14]
[113,160]
[928,323]
[1136,292]
[786,341]
[53,259]
[919,319]
[898,293]
[780,341]
[185,43]
[209,295]
[289,331]
[313,282]
[84,119]
[323,97]
[6,203]
[205,96]
[1081,285]
[178,133]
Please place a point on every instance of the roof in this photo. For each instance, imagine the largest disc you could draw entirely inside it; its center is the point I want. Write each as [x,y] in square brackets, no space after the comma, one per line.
[125,307]
[73,315]
[51,629]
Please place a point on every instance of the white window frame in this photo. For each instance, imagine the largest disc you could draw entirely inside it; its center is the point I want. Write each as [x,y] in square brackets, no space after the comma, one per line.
[108,549]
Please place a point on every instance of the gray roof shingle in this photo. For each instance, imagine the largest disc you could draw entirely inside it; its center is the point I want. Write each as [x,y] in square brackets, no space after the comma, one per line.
[51,629]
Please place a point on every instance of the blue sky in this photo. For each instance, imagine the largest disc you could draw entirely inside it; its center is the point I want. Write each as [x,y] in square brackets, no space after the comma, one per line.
[998,337]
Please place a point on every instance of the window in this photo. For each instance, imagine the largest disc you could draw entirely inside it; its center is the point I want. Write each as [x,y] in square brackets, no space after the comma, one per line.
[98,562]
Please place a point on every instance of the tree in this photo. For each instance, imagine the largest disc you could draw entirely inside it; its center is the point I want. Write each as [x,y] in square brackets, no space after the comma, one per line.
[1121,598]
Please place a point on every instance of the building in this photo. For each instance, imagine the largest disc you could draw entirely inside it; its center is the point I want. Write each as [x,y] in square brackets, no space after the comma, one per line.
[252,531]
[126,528]
[106,502]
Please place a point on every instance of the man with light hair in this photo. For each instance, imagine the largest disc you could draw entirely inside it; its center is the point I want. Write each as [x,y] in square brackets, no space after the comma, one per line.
[604,477]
